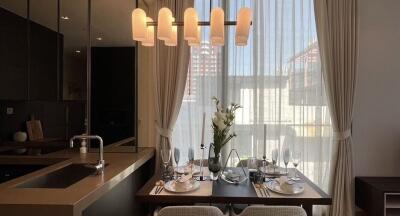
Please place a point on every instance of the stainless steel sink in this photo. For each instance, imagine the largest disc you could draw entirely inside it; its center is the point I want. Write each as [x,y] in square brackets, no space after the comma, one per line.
[61,178]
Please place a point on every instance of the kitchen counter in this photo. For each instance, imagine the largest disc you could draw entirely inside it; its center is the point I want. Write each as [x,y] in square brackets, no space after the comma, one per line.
[74,199]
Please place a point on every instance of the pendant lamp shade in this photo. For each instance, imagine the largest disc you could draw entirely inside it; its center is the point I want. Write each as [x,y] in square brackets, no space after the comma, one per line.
[149,41]
[173,40]
[164,27]
[243,26]
[190,24]
[217,27]
[197,41]
[139,25]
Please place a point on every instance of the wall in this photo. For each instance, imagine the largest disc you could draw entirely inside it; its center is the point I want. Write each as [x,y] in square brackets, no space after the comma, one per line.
[376,125]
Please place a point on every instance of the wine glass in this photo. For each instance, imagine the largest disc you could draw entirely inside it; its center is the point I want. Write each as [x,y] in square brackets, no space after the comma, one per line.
[177,154]
[165,156]
[296,157]
[191,158]
[286,158]
[274,158]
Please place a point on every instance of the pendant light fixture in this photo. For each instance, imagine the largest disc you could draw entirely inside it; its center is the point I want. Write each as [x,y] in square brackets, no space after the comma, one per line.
[139,25]
[173,40]
[217,36]
[143,28]
[197,41]
[164,27]
[149,41]
[191,23]
[243,26]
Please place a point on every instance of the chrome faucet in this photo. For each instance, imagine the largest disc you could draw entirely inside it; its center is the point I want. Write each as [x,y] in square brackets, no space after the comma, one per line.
[101,163]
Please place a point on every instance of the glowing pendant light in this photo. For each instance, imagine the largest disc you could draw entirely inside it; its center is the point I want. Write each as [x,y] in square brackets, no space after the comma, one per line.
[190,24]
[217,27]
[139,26]
[164,27]
[197,41]
[243,26]
[149,41]
[173,40]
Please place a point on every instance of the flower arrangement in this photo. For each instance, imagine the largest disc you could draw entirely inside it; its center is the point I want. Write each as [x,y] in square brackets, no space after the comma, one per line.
[221,123]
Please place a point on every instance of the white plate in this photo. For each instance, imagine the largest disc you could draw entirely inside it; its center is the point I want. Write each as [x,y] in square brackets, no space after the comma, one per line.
[186,169]
[192,186]
[274,186]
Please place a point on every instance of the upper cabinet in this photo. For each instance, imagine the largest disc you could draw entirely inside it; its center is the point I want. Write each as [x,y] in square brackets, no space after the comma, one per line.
[13,56]
[45,61]
[31,51]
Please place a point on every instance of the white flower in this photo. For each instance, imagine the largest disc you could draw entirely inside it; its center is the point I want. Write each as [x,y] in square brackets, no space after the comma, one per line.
[219,123]
[221,116]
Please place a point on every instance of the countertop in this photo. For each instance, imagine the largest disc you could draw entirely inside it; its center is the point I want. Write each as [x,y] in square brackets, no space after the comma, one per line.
[73,199]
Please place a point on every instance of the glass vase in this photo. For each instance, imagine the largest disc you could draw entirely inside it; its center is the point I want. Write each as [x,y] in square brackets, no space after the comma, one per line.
[214,162]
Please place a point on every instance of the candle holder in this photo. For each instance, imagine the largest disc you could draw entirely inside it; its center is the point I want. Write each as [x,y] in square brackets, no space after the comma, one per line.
[201,177]
[264,164]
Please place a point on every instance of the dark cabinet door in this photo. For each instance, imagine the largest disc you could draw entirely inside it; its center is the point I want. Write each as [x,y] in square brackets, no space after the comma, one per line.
[13,56]
[113,87]
[43,73]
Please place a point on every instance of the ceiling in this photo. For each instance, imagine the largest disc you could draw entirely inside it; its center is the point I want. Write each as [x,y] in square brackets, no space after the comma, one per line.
[111,20]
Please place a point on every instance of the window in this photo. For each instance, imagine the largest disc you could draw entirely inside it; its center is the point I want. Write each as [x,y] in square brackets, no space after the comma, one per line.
[276,78]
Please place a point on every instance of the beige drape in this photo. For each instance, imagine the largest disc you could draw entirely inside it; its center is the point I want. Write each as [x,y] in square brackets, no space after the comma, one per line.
[337,29]
[170,75]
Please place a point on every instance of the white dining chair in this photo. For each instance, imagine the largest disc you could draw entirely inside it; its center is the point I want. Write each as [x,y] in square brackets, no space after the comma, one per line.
[273,211]
[190,211]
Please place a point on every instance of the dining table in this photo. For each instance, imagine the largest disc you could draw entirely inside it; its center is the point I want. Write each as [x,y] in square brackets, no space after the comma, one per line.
[222,192]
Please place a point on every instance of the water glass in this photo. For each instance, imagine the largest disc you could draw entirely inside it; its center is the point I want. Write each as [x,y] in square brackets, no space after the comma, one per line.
[286,158]
[296,158]
[252,167]
[274,158]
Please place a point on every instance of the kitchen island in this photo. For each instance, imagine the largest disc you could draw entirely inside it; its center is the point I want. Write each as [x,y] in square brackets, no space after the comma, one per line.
[111,193]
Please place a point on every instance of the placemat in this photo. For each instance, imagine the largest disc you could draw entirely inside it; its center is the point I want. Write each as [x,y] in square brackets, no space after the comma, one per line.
[309,192]
[204,190]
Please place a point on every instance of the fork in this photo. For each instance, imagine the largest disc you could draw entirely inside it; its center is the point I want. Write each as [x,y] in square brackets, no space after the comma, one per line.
[259,187]
[266,190]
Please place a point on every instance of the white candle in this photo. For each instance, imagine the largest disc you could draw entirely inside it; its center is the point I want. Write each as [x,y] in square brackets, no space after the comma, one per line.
[265,139]
[202,131]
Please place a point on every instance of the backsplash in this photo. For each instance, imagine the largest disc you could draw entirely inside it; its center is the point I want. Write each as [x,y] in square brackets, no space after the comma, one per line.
[60,119]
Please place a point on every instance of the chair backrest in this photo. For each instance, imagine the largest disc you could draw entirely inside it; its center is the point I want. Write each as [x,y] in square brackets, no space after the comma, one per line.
[244,162]
[197,162]
[190,211]
[273,211]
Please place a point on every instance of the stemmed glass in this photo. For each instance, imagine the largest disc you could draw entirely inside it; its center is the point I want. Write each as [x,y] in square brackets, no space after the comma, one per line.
[191,158]
[165,157]
[286,158]
[177,154]
[296,157]
[274,158]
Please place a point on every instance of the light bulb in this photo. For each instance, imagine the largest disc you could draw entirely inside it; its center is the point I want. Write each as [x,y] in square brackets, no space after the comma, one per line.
[173,41]
[217,27]
[164,28]
[190,24]
[243,26]
[149,41]
[197,41]
[138,24]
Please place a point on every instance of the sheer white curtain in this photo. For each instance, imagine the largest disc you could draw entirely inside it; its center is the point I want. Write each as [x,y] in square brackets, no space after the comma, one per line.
[276,78]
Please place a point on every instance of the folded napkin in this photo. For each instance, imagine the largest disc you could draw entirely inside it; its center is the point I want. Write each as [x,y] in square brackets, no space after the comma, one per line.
[235,177]
[285,184]
[184,178]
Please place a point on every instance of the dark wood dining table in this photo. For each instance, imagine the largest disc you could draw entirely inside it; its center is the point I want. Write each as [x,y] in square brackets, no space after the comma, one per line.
[225,193]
